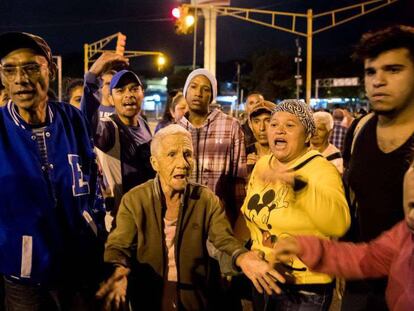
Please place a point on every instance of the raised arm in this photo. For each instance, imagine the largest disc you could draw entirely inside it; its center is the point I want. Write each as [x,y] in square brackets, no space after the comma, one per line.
[90,100]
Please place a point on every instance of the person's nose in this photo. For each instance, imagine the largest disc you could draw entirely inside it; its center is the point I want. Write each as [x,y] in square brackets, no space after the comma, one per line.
[262,127]
[379,79]
[21,76]
[280,129]
[182,161]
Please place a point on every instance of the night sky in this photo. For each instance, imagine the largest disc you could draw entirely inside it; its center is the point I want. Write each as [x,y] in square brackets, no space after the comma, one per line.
[148,24]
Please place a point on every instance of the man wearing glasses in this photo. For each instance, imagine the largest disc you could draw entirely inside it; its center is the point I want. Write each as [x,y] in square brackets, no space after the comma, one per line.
[50,217]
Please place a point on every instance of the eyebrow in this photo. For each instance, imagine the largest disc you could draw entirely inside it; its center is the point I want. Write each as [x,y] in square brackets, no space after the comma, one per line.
[12,64]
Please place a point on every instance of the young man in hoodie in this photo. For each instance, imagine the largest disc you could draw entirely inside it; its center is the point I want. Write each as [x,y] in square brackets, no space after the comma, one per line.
[218,141]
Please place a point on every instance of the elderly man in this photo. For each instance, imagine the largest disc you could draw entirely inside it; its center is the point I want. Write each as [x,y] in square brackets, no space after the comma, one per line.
[49,216]
[218,142]
[123,139]
[171,219]
[320,141]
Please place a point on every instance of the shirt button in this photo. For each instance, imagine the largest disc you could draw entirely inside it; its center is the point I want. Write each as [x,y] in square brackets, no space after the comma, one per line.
[51,166]
[33,137]
[47,134]
[43,168]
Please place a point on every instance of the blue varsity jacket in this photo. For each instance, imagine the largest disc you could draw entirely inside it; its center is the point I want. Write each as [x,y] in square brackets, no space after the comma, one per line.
[51,218]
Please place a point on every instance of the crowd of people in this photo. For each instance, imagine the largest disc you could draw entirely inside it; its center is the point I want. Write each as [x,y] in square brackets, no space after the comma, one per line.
[207,213]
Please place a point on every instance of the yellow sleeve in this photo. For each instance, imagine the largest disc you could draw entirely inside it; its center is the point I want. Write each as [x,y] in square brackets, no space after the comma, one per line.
[324,199]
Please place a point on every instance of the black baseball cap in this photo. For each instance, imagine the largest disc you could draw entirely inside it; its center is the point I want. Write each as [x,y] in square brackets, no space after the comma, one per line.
[11,41]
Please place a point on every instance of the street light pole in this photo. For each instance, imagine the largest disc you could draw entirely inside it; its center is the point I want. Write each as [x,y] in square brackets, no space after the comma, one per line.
[298,60]
[195,38]
[309,56]
[238,90]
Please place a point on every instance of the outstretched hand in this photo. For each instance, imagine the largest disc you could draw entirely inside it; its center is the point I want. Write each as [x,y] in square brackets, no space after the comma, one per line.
[106,61]
[285,249]
[113,291]
[279,173]
[260,272]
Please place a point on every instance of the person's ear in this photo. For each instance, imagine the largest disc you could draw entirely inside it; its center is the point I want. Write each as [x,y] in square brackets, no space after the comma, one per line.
[154,163]
[52,71]
[249,123]
[172,113]
[111,100]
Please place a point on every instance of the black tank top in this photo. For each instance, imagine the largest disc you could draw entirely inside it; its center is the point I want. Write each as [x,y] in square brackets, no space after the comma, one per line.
[377,180]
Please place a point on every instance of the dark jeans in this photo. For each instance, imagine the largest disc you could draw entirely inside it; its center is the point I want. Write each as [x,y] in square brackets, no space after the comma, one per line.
[294,300]
[27,297]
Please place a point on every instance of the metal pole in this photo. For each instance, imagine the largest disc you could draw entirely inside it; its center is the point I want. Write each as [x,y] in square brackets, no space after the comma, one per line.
[195,39]
[238,89]
[298,60]
[207,47]
[316,88]
[309,56]
[85,57]
[210,19]
[213,34]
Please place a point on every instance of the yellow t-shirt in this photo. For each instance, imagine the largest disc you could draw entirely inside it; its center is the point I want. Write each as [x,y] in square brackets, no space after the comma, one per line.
[273,208]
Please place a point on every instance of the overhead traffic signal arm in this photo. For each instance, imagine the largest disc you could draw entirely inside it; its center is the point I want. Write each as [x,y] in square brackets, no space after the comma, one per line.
[271,18]
[358,9]
[92,49]
[260,17]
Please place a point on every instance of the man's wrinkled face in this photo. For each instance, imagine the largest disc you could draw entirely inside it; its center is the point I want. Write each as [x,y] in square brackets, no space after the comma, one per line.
[25,76]
[173,162]
[389,81]
[127,99]
[199,94]
[321,135]
[408,197]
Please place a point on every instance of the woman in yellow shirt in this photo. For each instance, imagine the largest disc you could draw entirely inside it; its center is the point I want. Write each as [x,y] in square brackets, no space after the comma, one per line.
[293,191]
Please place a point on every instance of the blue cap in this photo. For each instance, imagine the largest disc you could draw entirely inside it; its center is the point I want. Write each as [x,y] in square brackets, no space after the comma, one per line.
[121,74]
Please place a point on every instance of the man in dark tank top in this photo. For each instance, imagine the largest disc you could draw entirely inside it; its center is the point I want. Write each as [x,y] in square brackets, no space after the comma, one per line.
[383,145]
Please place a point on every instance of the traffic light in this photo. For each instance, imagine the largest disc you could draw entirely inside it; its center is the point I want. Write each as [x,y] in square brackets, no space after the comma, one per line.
[184,19]
[120,44]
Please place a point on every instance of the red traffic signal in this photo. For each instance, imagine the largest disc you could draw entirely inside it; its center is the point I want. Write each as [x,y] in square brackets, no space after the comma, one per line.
[176,12]
[120,44]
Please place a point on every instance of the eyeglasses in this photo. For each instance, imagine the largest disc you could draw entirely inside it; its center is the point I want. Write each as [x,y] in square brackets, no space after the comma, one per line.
[31,70]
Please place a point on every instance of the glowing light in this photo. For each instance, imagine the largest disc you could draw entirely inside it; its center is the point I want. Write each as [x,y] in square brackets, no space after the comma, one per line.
[189,20]
[176,12]
[161,60]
